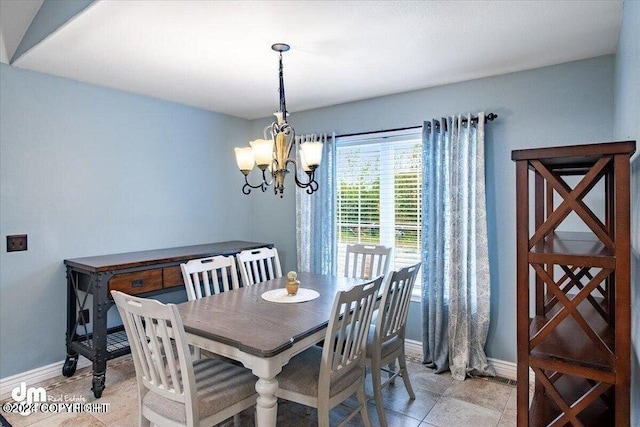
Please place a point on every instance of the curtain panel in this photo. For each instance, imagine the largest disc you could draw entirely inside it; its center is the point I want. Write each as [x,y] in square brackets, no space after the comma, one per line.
[456,280]
[315,226]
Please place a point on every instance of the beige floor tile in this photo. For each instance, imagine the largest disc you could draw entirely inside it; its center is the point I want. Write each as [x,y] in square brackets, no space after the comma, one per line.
[17,420]
[509,418]
[396,398]
[456,408]
[341,412]
[53,387]
[510,414]
[454,412]
[511,403]
[123,404]
[284,418]
[481,392]
[424,378]
[297,409]
[394,419]
[289,419]
[336,415]
[69,420]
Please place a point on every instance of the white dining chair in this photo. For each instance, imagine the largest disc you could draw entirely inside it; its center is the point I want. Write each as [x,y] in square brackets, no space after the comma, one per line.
[366,261]
[324,377]
[173,390]
[259,265]
[385,342]
[209,276]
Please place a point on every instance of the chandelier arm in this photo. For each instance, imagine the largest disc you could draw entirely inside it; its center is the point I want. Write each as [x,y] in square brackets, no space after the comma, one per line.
[268,128]
[265,181]
[311,185]
[247,187]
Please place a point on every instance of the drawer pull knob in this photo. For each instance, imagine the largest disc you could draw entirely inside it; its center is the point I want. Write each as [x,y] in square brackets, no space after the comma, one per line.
[136,283]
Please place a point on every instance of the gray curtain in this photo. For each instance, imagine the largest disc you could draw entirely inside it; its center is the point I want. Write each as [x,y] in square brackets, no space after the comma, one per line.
[456,282]
[315,227]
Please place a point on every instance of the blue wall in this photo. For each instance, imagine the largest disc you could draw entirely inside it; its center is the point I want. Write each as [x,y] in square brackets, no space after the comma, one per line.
[627,127]
[86,170]
[564,104]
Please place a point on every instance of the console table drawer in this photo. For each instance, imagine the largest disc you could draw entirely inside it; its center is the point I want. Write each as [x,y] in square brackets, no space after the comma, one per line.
[138,282]
[172,277]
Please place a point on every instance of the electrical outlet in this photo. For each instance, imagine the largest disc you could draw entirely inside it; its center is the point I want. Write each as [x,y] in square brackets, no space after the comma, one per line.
[83,317]
[16,243]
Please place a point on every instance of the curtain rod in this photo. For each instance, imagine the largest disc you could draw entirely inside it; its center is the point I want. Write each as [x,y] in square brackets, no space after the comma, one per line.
[488,118]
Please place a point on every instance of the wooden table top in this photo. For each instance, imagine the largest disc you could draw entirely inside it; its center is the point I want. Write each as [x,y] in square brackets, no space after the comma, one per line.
[158,256]
[241,317]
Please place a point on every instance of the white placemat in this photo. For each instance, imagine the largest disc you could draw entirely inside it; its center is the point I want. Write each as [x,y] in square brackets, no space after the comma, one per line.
[280,295]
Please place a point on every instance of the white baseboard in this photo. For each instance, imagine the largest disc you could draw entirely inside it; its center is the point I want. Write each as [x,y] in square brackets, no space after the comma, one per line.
[36,376]
[503,368]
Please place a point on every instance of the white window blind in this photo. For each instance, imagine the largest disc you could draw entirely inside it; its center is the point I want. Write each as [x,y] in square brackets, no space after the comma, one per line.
[379,195]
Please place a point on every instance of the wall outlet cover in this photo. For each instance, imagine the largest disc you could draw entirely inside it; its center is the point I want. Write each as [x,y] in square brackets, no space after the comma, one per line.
[17,242]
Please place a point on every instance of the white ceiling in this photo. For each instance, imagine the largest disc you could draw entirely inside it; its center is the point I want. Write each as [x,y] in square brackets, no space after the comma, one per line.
[216,55]
[15,17]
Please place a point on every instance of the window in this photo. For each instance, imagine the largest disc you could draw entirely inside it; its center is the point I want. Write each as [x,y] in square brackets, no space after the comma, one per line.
[379,194]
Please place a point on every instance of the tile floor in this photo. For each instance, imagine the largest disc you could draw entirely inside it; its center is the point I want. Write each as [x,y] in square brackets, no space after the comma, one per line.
[440,401]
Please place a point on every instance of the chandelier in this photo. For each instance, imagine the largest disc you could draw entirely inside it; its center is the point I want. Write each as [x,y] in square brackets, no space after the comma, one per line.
[272,154]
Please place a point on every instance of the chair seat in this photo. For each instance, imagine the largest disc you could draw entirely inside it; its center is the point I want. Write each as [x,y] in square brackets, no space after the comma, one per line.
[388,346]
[219,385]
[301,374]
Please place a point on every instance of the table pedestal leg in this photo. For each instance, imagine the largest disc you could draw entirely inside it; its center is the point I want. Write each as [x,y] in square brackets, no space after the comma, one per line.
[267,404]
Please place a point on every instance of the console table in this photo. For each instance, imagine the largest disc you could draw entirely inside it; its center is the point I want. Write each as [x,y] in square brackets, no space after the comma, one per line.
[145,273]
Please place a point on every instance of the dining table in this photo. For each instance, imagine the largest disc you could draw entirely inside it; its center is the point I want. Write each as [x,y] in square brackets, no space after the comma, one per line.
[263,335]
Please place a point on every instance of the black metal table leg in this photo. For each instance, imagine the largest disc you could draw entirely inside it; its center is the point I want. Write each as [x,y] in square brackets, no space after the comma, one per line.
[70,363]
[100,308]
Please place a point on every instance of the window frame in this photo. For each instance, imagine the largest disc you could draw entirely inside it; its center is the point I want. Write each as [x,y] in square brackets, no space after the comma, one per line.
[391,136]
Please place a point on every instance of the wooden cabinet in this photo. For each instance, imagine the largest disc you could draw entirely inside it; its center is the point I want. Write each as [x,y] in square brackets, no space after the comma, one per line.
[573,288]
[145,273]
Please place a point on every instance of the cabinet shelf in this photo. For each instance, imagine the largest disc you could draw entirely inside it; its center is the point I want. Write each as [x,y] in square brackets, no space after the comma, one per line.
[544,410]
[568,343]
[572,248]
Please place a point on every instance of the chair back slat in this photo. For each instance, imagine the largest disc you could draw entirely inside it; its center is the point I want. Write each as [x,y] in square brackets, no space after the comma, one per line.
[158,347]
[209,276]
[157,356]
[366,261]
[259,265]
[141,342]
[171,358]
[347,332]
[396,297]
